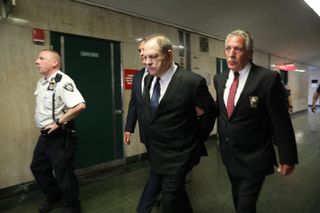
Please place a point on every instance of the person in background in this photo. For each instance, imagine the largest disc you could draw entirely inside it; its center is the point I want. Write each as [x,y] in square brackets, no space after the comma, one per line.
[151,191]
[135,111]
[58,103]
[288,97]
[251,110]
[314,99]
[179,116]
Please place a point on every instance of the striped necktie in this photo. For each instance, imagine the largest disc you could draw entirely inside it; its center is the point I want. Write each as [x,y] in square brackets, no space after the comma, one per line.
[232,94]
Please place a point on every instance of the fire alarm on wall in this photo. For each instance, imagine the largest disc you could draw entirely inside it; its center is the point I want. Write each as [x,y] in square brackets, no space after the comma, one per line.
[38,36]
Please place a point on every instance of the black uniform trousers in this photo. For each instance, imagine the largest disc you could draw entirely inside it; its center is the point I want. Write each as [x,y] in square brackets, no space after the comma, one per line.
[52,167]
[245,192]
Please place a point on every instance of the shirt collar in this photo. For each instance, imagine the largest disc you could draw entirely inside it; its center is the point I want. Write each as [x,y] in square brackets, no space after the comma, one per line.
[169,73]
[245,70]
[146,70]
[53,75]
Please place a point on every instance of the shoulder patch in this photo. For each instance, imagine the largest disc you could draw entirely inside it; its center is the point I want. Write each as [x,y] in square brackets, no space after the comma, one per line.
[68,87]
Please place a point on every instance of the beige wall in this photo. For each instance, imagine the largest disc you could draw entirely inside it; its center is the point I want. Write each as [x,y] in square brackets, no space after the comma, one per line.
[261,59]
[18,133]
[17,84]
[313,75]
[204,63]
[297,82]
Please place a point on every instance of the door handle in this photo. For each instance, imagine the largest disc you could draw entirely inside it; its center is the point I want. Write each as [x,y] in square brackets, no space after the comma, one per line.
[118,112]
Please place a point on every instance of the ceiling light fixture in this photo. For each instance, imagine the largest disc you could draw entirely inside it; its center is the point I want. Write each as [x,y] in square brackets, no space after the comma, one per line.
[315,5]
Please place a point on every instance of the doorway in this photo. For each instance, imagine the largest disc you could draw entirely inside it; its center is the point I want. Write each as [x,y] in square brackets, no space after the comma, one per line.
[94,65]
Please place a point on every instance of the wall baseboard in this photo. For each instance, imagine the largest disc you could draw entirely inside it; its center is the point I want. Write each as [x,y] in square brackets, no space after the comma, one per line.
[18,194]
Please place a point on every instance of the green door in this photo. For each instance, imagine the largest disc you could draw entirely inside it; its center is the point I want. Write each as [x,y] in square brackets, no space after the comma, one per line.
[94,65]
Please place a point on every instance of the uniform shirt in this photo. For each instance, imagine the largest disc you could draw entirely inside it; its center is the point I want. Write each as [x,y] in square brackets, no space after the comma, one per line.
[66,96]
[243,75]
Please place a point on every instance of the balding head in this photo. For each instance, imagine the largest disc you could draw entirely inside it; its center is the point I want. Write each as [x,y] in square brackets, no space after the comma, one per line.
[48,62]
[158,54]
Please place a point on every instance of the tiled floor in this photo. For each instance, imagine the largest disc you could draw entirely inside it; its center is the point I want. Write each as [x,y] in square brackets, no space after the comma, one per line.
[209,187]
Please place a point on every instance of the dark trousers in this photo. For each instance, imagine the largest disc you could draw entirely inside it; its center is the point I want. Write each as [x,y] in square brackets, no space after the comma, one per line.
[150,194]
[174,197]
[245,192]
[52,167]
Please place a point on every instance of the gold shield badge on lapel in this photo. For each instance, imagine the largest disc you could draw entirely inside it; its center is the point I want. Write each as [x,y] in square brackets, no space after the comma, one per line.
[254,100]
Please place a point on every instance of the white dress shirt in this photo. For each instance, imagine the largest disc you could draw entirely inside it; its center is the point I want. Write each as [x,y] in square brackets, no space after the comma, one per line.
[164,82]
[243,75]
[142,81]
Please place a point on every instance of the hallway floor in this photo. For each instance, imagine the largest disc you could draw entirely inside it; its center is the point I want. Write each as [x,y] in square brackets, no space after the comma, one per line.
[209,188]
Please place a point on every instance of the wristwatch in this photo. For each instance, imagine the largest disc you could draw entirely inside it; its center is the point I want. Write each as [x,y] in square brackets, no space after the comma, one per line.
[58,123]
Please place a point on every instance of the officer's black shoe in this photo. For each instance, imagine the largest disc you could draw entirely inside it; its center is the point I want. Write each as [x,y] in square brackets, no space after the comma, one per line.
[48,206]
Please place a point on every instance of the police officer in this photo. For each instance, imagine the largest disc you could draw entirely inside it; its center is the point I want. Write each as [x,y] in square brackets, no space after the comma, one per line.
[58,102]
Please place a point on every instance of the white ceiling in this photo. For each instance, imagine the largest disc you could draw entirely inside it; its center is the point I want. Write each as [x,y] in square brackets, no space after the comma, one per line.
[286,28]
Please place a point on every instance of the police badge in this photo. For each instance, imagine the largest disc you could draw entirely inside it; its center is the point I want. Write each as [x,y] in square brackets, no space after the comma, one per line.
[52,84]
[254,100]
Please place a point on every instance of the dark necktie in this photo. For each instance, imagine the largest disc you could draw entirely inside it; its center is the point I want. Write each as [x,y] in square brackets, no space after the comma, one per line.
[232,94]
[154,102]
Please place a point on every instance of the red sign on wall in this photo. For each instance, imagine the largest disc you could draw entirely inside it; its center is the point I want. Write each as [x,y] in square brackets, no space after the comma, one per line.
[286,67]
[128,77]
[38,36]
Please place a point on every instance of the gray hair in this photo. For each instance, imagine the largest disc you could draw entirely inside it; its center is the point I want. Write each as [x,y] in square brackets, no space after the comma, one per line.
[142,40]
[244,34]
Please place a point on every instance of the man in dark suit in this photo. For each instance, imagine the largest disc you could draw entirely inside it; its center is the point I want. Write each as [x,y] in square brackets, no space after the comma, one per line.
[251,110]
[135,112]
[176,105]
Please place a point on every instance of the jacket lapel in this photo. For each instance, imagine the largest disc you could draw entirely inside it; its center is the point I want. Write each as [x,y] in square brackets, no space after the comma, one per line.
[146,96]
[174,84]
[224,78]
[139,89]
[250,81]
